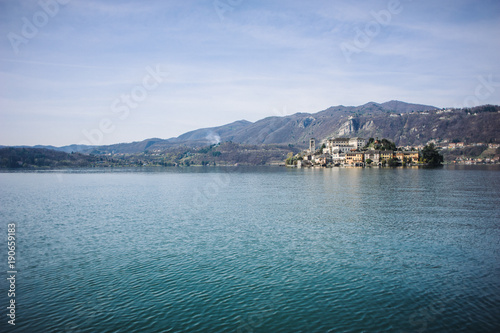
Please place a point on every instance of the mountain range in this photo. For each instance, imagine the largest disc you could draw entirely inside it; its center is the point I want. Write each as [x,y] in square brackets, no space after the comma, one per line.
[403,123]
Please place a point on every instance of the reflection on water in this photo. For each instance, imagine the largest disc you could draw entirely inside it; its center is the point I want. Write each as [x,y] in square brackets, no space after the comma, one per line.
[256,249]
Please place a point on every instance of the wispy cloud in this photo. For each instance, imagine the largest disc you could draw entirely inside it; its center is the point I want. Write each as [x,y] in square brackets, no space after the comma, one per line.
[262,56]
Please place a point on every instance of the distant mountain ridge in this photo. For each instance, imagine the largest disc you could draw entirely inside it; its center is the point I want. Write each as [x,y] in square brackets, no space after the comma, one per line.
[402,107]
[403,123]
[295,129]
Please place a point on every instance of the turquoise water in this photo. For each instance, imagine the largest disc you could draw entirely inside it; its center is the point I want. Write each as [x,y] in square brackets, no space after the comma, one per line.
[254,250]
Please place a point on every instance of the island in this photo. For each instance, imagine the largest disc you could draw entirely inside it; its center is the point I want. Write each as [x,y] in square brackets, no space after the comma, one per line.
[358,152]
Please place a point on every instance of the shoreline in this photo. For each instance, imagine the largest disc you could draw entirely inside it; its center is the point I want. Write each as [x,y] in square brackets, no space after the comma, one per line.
[228,167]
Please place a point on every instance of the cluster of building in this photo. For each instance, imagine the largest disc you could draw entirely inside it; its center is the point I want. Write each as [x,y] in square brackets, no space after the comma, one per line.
[446,144]
[450,146]
[348,152]
[471,161]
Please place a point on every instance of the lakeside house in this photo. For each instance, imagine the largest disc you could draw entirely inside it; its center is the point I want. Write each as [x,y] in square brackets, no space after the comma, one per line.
[373,155]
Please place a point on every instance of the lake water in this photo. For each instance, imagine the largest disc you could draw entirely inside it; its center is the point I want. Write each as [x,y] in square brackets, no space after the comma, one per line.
[254,250]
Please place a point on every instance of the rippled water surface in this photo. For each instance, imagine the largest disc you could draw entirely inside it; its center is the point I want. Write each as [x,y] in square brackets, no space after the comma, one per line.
[254,250]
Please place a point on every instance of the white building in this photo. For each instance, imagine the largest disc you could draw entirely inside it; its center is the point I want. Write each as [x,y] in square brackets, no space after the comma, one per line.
[344,144]
[338,156]
[357,142]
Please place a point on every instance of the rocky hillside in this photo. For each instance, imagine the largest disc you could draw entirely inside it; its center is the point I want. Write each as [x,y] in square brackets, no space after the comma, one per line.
[298,128]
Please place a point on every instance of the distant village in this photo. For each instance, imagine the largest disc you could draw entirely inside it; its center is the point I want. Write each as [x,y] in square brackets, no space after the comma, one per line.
[492,157]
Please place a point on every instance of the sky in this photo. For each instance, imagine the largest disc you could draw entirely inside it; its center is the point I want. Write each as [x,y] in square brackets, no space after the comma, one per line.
[104,72]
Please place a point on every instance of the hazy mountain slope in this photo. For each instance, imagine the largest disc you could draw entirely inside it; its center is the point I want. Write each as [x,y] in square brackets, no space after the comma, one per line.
[67,149]
[214,133]
[128,148]
[402,107]
[403,123]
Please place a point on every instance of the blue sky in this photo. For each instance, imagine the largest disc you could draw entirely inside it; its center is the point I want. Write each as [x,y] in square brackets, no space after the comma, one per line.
[66,70]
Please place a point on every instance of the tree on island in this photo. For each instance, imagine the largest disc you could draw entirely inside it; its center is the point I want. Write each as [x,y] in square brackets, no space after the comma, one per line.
[384,144]
[388,145]
[369,143]
[392,162]
[291,159]
[431,156]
